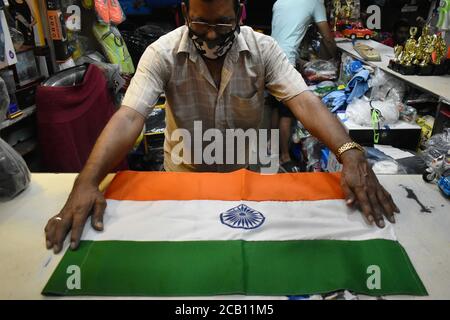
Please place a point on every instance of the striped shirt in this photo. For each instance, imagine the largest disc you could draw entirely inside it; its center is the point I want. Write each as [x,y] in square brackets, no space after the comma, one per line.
[173,66]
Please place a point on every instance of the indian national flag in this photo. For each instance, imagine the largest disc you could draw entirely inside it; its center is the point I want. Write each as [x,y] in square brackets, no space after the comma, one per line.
[199,234]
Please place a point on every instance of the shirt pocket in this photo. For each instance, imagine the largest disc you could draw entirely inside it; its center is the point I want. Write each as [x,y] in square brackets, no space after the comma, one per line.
[245,113]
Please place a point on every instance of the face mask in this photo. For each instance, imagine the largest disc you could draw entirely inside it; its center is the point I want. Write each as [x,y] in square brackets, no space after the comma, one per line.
[214,49]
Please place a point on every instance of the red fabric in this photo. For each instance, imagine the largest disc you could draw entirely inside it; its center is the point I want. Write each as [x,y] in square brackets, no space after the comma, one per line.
[70,119]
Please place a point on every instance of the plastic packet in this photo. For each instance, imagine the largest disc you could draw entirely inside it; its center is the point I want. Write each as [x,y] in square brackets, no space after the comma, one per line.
[360,112]
[440,141]
[386,87]
[320,70]
[426,124]
[17,38]
[407,113]
[388,167]
[114,47]
[14,173]
[344,75]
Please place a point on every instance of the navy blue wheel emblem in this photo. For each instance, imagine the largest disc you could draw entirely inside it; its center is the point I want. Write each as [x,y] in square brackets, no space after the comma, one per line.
[242,217]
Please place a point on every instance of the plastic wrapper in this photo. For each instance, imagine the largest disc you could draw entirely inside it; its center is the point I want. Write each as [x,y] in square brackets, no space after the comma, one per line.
[17,38]
[383,164]
[386,87]
[360,112]
[111,71]
[114,47]
[349,67]
[320,70]
[388,167]
[426,124]
[14,173]
[4,100]
[78,45]
[407,113]
[436,146]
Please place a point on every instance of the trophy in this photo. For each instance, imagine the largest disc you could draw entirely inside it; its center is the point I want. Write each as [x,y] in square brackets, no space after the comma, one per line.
[424,51]
[337,13]
[394,64]
[408,55]
[440,50]
[348,10]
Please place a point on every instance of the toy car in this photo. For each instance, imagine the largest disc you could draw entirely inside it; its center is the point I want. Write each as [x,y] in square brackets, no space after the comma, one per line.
[438,164]
[357,31]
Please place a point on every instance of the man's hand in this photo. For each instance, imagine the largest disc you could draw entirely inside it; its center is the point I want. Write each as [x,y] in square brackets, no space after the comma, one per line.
[116,139]
[84,200]
[362,189]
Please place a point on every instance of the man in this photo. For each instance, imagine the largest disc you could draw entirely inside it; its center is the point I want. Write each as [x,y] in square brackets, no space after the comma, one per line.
[211,70]
[399,35]
[290,22]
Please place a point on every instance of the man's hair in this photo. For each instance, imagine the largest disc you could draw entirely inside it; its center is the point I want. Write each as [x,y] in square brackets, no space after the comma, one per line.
[237,4]
[402,23]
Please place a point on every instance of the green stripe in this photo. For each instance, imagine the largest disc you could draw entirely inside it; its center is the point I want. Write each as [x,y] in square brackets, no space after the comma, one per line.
[203,268]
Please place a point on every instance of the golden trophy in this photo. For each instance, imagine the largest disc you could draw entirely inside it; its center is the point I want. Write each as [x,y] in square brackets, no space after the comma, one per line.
[398,51]
[394,64]
[348,10]
[440,49]
[422,44]
[337,12]
[424,50]
[409,53]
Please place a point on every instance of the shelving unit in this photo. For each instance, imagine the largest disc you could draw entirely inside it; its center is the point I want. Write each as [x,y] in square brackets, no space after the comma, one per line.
[26,113]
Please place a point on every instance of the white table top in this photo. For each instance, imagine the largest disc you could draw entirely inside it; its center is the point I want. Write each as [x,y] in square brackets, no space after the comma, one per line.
[26,265]
[437,85]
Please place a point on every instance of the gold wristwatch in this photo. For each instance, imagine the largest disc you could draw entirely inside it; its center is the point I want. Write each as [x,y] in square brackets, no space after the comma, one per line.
[348,146]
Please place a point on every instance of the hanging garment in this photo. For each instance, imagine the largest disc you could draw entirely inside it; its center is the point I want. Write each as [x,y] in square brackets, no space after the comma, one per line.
[70,119]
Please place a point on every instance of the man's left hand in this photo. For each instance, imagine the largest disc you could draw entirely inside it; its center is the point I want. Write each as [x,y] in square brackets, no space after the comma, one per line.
[362,189]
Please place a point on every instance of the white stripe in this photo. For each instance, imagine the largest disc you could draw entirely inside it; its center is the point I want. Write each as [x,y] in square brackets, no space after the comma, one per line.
[199,220]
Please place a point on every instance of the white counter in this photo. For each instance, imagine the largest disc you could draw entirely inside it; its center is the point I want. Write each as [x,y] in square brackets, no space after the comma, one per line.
[26,265]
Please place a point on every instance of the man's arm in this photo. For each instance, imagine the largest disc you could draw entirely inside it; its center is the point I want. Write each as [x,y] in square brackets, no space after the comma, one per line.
[116,139]
[327,38]
[359,183]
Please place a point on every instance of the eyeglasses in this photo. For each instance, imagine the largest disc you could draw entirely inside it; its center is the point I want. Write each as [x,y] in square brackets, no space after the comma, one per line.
[203,27]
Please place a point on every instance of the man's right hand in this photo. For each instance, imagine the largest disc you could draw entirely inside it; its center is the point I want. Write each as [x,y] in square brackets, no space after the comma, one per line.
[84,200]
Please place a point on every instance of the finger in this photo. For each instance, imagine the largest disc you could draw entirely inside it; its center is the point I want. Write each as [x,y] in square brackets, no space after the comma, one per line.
[61,228]
[365,205]
[377,212]
[390,200]
[350,198]
[388,209]
[49,233]
[97,215]
[79,221]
